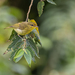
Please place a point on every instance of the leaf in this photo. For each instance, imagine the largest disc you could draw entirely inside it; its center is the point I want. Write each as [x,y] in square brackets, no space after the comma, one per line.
[17,59]
[31,51]
[12,55]
[19,53]
[33,59]
[51,1]
[28,57]
[40,7]
[13,35]
[37,37]
[30,43]
[16,44]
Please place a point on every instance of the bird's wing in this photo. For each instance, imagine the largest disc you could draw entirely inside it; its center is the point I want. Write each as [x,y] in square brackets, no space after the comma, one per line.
[22,25]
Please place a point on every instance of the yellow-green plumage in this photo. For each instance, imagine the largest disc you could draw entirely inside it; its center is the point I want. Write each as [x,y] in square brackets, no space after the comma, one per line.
[23,28]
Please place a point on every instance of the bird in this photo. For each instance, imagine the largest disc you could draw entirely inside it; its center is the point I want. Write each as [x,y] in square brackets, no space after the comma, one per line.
[23,28]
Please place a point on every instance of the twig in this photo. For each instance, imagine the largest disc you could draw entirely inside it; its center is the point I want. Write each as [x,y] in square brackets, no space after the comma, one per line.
[29,10]
[5,52]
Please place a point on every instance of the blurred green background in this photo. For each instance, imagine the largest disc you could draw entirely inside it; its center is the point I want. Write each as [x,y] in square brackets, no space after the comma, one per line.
[57,31]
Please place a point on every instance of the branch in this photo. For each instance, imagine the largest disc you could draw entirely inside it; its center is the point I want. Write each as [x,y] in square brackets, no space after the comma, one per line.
[29,10]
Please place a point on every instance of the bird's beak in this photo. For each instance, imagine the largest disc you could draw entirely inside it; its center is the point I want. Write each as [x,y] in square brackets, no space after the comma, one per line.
[36,26]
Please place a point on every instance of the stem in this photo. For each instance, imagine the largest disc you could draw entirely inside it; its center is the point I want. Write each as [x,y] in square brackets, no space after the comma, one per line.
[5,52]
[29,10]
[24,45]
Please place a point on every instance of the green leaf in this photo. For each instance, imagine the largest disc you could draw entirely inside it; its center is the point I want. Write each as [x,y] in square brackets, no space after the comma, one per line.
[51,1]
[31,51]
[40,7]
[17,59]
[30,43]
[18,45]
[12,55]
[33,59]
[13,35]
[28,57]
[37,37]
[19,53]
[17,42]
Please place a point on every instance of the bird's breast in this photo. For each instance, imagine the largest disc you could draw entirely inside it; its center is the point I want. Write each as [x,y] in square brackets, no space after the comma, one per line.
[19,31]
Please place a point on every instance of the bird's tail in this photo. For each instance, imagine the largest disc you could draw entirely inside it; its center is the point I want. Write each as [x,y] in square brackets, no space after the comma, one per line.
[8,27]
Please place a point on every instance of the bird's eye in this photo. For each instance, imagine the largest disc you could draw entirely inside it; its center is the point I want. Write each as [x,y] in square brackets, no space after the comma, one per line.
[32,25]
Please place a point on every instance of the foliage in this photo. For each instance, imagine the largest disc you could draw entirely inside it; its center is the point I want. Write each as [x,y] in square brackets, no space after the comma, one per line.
[57,30]
[41,5]
[20,47]
[51,1]
[26,45]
